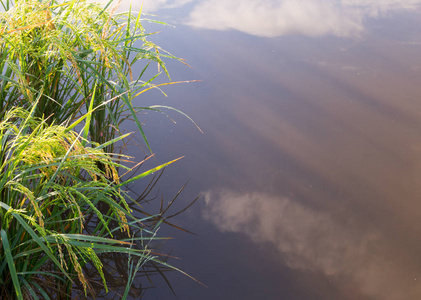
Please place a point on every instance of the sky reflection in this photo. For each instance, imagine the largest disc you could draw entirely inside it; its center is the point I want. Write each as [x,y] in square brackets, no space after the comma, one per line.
[312,147]
[274,18]
[147,5]
[313,240]
[277,18]
[271,18]
[331,124]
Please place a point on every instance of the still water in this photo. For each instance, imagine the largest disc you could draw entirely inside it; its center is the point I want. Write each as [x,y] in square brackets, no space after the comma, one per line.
[310,162]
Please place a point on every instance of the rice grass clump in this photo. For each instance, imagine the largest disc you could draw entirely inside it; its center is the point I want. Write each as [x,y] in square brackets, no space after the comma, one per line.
[50,183]
[69,56]
[67,66]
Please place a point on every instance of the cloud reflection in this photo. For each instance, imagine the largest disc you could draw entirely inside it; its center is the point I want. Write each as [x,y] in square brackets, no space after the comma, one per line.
[148,5]
[271,18]
[312,240]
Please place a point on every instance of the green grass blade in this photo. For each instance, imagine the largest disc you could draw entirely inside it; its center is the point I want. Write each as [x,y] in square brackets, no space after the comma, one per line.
[29,288]
[41,290]
[10,262]
[89,115]
[149,172]
[178,111]
[36,239]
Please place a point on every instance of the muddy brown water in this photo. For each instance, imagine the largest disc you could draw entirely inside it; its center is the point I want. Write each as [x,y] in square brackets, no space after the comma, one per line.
[310,162]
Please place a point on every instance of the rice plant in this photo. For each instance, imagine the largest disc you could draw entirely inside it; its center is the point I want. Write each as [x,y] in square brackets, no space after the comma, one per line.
[50,184]
[67,66]
[74,55]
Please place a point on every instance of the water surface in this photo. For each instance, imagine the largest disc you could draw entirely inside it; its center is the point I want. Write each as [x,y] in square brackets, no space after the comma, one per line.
[310,162]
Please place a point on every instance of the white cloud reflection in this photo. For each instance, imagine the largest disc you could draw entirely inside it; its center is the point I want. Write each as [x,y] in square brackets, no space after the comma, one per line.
[271,18]
[148,5]
[313,240]
[375,8]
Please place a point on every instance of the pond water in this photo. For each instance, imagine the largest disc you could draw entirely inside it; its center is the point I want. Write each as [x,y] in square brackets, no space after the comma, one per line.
[309,166]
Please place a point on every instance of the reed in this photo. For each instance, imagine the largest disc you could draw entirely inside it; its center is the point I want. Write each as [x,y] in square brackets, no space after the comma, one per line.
[66,86]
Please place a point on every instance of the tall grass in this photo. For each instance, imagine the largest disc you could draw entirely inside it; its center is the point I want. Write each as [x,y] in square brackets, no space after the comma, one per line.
[67,66]
[71,56]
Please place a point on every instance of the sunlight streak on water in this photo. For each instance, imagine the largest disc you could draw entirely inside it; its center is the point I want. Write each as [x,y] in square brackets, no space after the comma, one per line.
[310,164]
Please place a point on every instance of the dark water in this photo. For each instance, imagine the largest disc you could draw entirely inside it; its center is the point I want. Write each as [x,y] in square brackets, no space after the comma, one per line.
[310,162]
